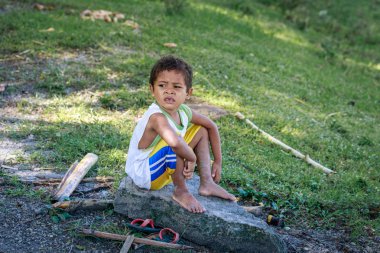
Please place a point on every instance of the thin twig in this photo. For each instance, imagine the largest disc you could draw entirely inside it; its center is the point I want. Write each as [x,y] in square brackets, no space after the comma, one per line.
[285,147]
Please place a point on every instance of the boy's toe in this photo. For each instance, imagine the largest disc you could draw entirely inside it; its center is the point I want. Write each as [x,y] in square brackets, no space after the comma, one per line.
[201,209]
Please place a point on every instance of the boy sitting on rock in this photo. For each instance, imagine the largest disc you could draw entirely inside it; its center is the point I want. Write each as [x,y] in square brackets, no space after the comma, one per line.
[170,138]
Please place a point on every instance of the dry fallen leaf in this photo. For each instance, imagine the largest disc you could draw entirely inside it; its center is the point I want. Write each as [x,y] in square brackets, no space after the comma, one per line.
[132,24]
[85,14]
[100,14]
[42,7]
[171,44]
[50,29]
[39,7]
[112,76]
[107,16]
[117,16]
[107,19]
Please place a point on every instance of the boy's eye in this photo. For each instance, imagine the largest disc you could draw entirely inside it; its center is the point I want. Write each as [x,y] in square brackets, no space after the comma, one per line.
[160,85]
[178,87]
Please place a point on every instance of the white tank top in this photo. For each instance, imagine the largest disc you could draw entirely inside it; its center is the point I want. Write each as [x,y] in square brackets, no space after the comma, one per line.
[137,165]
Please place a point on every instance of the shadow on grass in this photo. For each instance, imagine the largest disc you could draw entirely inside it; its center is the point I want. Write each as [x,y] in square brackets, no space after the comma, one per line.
[68,142]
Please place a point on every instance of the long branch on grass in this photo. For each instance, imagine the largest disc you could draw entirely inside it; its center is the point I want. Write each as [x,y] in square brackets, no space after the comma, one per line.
[97,187]
[7,167]
[55,181]
[87,204]
[285,147]
[106,235]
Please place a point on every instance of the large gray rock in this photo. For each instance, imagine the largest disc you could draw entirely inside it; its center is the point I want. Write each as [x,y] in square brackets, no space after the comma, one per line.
[224,227]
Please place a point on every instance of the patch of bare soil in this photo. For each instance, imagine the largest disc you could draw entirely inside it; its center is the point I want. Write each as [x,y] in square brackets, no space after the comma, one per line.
[326,241]
[26,226]
[204,108]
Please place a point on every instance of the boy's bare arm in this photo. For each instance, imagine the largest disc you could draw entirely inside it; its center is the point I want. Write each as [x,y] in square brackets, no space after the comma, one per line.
[159,123]
[214,137]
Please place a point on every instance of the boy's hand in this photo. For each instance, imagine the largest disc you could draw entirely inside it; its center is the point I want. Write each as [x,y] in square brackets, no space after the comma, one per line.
[216,172]
[188,171]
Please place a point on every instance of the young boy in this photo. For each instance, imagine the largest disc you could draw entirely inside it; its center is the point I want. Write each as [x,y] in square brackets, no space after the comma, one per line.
[170,138]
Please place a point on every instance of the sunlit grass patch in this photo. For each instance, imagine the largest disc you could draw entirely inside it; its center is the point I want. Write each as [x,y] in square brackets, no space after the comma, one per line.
[125,99]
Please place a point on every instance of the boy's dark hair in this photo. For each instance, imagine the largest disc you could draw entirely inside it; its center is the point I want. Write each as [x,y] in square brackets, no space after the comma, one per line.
[168,63]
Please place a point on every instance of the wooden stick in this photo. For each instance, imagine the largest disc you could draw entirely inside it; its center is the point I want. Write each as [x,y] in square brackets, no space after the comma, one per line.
[53,181]
[8,167]
[127,244]
[96,188]
[285,147]
[87,204]
[106,235]
[98,179]
[68,173]
[74,176]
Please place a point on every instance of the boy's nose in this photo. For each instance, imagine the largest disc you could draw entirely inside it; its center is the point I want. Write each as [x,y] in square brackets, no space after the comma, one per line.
[169,91]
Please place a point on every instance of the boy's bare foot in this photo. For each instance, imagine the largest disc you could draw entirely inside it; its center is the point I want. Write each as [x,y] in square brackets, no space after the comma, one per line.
[212,189]
[187,201]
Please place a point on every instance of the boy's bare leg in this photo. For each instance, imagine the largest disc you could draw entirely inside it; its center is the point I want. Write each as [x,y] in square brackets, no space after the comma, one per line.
[208,187]
[181,194]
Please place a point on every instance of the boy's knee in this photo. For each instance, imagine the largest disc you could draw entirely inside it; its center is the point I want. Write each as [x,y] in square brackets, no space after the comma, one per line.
[179,159]
[203,131]
[199,136]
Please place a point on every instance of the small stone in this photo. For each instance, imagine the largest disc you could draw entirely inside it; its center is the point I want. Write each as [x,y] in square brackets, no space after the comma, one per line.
[287,228]
[2,87]
[104,194]
[255,210]
[40,210]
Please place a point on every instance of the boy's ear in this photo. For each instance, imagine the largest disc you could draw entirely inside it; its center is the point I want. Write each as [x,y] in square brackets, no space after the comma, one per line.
[151,88]
[189,93]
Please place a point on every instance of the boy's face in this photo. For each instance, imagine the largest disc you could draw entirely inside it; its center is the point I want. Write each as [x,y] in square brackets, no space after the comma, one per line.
[170,90]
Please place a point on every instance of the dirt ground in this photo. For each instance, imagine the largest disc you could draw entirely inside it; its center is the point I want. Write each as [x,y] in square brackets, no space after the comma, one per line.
[27,226]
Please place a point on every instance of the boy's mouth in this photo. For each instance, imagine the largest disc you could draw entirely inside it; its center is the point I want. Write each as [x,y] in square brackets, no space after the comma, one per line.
[169,100]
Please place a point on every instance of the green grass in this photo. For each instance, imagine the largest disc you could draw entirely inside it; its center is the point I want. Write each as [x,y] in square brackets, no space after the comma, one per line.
[16,188]
[309,75]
